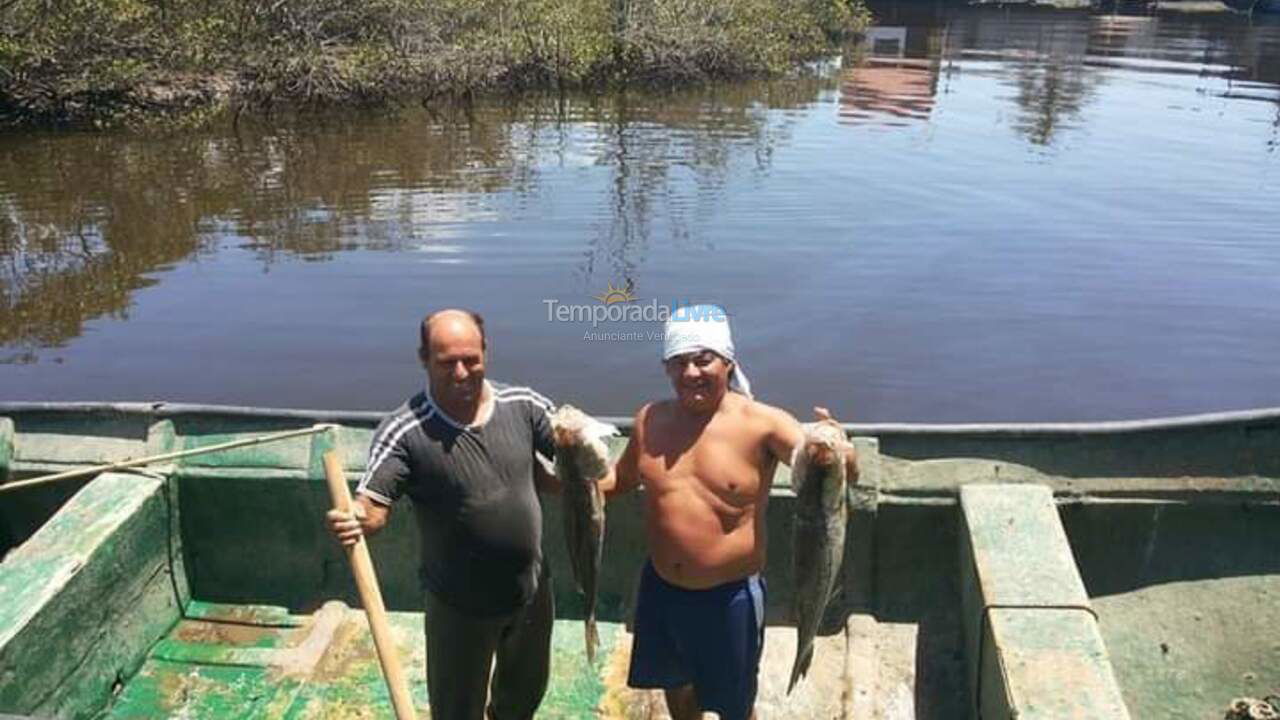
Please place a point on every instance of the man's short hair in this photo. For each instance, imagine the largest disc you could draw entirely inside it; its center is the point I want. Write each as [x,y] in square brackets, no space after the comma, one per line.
[424,330]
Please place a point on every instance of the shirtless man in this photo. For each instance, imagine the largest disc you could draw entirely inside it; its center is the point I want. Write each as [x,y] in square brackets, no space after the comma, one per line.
[706,459]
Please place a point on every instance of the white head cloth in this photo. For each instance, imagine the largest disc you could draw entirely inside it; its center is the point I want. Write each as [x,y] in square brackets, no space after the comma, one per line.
[694,328]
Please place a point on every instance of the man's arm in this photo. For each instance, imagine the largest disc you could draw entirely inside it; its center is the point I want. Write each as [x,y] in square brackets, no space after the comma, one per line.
[385,479]
[624,476]
[786,435]
[544,446]
[544,475]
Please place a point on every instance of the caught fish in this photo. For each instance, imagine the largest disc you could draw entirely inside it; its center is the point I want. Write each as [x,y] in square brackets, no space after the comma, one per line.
[582,458]
[819,478]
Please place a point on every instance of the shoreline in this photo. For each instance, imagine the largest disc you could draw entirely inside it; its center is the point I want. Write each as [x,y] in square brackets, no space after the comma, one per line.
[121,63]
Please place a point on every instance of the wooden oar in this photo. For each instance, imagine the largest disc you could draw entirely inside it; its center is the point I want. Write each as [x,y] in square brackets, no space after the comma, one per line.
[370,594]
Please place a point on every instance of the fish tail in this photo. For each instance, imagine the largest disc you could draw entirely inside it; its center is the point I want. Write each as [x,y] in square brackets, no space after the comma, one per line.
[801,668]
[593,639]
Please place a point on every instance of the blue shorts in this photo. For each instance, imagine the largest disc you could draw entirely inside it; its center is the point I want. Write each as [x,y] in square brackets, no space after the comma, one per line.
[711,638]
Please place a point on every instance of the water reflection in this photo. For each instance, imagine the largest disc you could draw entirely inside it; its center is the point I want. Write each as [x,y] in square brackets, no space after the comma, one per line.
[1051,83]
[1051,63]
[1040,61]
[896,79]
[85,220]
[106,212]
[670,161]
[80,230]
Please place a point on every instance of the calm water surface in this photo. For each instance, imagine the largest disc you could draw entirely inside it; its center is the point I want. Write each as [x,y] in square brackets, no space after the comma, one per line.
[993,215]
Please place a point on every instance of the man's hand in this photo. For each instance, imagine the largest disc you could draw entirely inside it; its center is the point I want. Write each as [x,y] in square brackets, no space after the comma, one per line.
[346,527]
[850,455]
[824,415]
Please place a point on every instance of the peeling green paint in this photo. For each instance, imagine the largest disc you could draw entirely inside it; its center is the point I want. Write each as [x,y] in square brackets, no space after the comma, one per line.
[577,686]
[277,552]
[161,437]
[6,448]
[178,689]
[53,439]
[322,443]
[239,672]
[1033,646]
[195,654]
[254,615]
[84,599]
[284,454]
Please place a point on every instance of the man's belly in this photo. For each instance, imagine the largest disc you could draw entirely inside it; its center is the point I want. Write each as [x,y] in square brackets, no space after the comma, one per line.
[694,547]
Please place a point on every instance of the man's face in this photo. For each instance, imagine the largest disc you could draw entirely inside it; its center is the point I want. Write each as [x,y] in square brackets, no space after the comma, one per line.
[700,379]
[455,361]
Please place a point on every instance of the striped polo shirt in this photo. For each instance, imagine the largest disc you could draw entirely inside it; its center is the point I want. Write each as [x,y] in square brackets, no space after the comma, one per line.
[473,491]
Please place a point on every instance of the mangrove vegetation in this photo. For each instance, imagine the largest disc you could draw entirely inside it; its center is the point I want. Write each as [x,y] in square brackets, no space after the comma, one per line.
[111,61]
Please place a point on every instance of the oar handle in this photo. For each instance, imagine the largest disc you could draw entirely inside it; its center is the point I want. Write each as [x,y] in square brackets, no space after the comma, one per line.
[370,595]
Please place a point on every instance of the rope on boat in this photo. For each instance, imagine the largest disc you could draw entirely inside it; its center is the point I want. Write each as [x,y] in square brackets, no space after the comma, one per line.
[136,462]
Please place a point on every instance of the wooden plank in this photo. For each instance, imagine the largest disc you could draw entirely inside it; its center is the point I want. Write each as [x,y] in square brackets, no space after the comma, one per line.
[85,597]
[1032,642]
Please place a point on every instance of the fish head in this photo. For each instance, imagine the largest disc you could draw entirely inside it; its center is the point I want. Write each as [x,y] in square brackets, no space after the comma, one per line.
[579,440]
[822,465]
[569,427]
[823,444]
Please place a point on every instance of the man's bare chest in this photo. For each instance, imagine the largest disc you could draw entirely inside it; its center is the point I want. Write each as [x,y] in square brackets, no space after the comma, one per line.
[725,471]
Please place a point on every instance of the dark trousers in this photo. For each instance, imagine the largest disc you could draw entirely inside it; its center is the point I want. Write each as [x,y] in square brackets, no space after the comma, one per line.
[461,649]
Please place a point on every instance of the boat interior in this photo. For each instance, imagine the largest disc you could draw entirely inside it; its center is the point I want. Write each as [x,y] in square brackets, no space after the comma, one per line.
[1108,570]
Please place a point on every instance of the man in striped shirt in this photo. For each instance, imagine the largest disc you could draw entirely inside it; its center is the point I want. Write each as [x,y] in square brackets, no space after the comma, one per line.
[463,451]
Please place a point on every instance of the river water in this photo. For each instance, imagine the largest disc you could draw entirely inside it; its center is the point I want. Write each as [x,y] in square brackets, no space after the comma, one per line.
[992,215]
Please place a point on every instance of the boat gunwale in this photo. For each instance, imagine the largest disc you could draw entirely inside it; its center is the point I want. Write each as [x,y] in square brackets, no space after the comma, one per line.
[162,409]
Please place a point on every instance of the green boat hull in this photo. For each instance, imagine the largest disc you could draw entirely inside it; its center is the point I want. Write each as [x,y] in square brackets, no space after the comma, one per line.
[1104,570]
